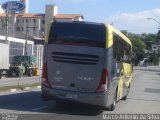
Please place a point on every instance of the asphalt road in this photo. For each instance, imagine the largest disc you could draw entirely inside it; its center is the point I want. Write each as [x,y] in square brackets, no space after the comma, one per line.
[144,97]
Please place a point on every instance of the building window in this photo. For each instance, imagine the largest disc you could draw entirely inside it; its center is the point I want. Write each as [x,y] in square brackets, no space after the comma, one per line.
[29,49]
[22,21]
[34,28]
[15,49]
[26,20]
[18,21]
[22,28]
[43,21]
[42,29]
[34,20]
[18,28]
[121,50]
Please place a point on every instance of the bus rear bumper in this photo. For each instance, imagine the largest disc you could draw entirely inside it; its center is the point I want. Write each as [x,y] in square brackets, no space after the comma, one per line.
[96,99]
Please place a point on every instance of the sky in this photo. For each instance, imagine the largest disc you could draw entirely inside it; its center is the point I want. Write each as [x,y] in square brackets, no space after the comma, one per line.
[130,15]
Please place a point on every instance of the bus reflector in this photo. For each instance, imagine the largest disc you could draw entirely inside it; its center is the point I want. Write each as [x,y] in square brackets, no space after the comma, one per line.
[45,81]
[103,83]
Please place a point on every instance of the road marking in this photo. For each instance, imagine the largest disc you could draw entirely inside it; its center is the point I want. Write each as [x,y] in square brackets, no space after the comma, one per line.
[13,90]
[27,88]
[38,86]
[43,107]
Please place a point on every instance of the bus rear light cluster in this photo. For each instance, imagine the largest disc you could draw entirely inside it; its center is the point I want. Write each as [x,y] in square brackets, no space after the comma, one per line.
[103,82]
[45,81]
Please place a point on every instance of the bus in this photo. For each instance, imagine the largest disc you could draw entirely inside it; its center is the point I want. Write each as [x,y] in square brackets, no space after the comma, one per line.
[86,63]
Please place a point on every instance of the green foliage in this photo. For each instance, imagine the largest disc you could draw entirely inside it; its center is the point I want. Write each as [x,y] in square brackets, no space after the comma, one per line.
[149,37]
[138,46]
[153,59]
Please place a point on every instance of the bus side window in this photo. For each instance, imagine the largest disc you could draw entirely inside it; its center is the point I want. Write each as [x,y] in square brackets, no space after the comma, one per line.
[127,54]
[117,55]
[118,48]
[121,50]
[114,68]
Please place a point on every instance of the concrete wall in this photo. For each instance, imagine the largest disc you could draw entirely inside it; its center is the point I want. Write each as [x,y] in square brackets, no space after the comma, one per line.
[155,48]
[4,54]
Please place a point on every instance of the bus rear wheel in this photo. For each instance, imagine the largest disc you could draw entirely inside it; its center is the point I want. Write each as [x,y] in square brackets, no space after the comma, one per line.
[112,107]
[0,74]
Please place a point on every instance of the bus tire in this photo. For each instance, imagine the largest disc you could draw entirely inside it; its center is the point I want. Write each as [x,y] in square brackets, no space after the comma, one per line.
[125,97]
[19,73]
[30,72]
[0,74]
[8,73]
[60,104]
[112,107]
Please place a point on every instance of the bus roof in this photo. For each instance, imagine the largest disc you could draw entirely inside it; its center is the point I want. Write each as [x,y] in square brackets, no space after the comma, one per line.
[96,23]
[120,34]
[82,22]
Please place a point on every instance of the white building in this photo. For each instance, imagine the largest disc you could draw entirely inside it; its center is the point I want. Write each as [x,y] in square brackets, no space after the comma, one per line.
[69,17]
[33,24]
[27,26]
[155,48]
[17,47]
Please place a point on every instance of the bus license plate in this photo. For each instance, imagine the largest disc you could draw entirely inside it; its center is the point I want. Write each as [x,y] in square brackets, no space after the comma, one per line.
[71,96]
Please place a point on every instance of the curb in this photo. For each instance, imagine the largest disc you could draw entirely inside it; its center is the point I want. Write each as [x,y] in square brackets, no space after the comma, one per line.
[20,88]
[148,68]
[13,90]
[153,70]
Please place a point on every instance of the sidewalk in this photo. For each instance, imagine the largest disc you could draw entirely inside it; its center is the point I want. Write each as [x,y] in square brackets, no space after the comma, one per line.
[148,68]
[19,83]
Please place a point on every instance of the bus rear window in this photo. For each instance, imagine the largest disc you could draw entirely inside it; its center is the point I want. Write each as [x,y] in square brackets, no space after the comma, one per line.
[78,34]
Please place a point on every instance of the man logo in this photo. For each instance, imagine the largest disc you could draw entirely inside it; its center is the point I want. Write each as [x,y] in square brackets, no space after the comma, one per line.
[84,78]
[58,72]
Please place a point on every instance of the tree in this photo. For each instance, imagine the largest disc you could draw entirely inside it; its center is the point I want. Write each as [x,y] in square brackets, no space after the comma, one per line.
[138,46]
[149,37]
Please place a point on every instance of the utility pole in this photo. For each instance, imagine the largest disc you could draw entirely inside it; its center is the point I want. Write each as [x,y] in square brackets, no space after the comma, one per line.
[157,38]
[6,24]
[25,47]
[26,41]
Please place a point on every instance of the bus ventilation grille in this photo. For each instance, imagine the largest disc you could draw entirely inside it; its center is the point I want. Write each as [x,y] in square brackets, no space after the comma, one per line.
[75,58]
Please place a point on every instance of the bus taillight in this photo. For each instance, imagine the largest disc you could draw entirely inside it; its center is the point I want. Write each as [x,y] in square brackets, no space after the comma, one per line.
[104,80]
[45,81]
